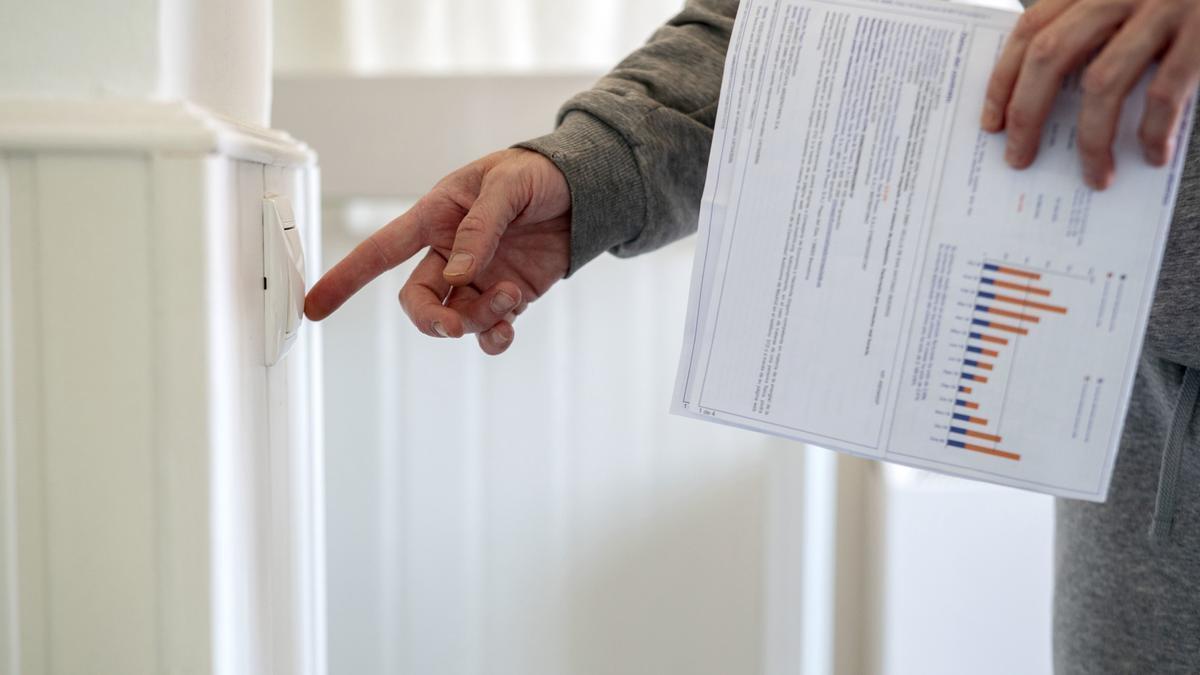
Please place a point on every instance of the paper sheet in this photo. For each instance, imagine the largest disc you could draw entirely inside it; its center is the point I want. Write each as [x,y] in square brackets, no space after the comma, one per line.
[870,275]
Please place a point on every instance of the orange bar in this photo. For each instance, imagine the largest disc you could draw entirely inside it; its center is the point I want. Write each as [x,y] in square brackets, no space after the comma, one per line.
[981,364]
[977,420]
[993,339]
[980,435]
[1018,273]
[970,404]
[995,453]
[1007,328]
[1018,287]
[1030,303]
[979,378]
[966,390]
[989,352]
[1013,315]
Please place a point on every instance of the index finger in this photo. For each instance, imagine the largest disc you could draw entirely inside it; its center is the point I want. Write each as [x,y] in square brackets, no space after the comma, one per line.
[387,247]
[1008,66]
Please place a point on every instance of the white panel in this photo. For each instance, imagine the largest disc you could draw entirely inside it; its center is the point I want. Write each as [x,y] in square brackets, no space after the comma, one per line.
[296,535]
[266,510]
[966,576]
[10,654]
[28,462]
[182,214]
[237,396]
[255,416]
[96,330]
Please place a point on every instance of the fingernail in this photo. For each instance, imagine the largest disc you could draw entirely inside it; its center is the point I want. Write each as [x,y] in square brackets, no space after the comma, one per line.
[502,302]
[459,264]
[440,329]
[990,118]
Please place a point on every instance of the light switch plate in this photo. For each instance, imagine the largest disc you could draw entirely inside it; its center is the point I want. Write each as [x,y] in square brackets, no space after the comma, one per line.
[283,277]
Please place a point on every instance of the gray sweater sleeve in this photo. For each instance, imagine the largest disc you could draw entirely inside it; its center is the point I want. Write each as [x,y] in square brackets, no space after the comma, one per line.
[634,148]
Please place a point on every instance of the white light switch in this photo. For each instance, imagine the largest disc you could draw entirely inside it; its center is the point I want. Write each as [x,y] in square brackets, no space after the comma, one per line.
[283,276]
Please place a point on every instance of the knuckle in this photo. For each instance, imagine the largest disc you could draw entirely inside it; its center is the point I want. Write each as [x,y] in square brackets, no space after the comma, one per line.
[1028,25]
[1043,50]
[1174,73]
[473,224]
[1099,80]
[1161,93]
[1019,118]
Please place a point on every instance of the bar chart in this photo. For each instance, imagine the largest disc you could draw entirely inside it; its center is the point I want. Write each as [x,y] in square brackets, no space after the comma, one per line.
[1009,303]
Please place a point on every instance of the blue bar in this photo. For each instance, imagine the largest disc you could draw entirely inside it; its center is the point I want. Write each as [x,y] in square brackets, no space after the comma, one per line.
[960,402]
[968,376]
[982,308]
[975,336]
[961,388]
[990,267]
[975,350]
[988,281]
[988,295]
[957,430]
[955,444]
[969,362]
[981,322]
[960,416]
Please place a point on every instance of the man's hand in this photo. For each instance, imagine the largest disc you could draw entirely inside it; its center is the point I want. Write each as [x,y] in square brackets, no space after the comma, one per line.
[1054,37]
[498,233]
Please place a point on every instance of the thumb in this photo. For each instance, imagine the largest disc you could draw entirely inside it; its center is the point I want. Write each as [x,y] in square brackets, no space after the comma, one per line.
[501,199]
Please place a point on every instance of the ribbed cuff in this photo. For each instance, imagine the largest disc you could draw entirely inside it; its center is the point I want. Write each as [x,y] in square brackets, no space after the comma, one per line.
[608,201]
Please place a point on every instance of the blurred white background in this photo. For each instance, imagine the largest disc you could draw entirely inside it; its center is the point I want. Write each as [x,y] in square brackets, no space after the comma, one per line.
[540,513]
[371,37]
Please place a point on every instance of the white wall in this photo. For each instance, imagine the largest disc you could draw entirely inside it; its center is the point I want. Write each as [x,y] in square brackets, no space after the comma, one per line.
[215,53]
[540,513]
[387,36]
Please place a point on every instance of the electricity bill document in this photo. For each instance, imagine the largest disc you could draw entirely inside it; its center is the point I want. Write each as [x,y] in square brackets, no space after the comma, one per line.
[871,277]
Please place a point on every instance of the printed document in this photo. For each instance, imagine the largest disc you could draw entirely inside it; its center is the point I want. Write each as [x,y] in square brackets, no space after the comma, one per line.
[872,277]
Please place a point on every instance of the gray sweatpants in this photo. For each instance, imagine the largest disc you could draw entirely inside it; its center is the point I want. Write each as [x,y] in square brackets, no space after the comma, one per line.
[1128,600]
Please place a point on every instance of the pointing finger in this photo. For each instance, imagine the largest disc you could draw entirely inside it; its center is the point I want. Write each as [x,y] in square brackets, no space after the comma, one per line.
[389,246]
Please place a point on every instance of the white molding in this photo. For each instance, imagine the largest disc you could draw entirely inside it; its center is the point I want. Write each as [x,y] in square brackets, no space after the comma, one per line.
[141,126]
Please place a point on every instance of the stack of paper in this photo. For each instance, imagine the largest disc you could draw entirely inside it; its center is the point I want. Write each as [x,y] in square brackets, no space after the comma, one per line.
[872,277]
